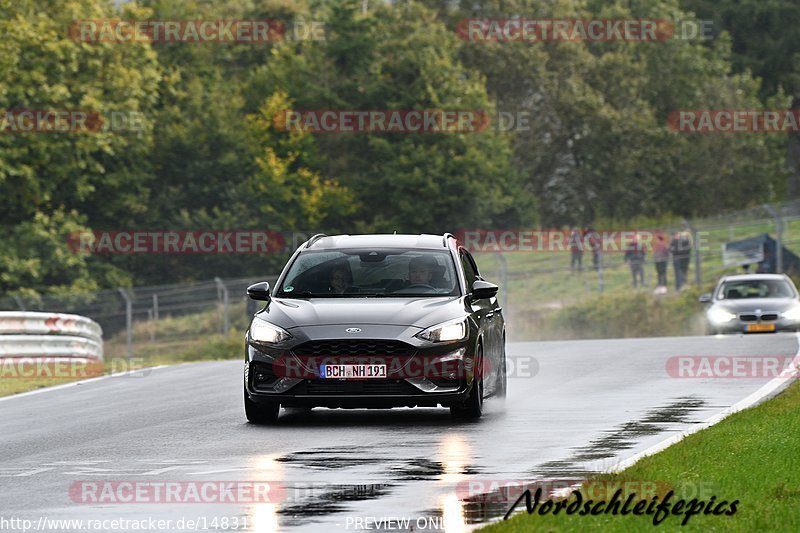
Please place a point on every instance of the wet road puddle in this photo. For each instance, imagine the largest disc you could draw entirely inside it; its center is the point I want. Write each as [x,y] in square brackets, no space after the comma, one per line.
[451,465]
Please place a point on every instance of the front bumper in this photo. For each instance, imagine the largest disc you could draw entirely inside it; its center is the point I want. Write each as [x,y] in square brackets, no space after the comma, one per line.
[418,374]
[755,326]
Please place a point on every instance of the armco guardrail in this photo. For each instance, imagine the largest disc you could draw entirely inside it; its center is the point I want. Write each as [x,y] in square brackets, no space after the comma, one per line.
[52,335]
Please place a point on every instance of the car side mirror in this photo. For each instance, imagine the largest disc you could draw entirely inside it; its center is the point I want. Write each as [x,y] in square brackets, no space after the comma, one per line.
[259,291]
[483,289]
[704,298]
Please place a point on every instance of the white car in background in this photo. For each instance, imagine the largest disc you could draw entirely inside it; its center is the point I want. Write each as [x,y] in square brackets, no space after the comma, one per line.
[753,303]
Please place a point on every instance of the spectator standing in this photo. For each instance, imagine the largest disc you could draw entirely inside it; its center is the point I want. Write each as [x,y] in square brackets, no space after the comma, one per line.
[576,250]
[591,240]
[681,249]
[634,256]
[660,258]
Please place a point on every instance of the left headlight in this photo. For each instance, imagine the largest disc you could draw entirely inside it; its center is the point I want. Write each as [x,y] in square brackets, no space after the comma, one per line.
[720,316]
[793,313]
[267,333]
[450,331]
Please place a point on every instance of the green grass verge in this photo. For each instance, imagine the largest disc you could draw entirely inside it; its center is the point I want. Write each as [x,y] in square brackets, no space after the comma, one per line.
[621,315]
[751,456]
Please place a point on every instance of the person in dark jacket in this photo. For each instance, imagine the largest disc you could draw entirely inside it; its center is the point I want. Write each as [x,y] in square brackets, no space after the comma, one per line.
[660,258]
[592,240]
[634,256]
[681,249]
[576,250]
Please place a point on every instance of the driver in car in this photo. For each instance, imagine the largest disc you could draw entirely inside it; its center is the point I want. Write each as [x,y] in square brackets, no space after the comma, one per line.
[341,279]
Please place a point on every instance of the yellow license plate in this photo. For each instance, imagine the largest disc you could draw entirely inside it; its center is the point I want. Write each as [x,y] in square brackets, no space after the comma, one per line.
[755,328]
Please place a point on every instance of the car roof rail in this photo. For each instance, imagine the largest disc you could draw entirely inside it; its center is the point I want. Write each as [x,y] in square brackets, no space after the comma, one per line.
[314,239]
[445,237]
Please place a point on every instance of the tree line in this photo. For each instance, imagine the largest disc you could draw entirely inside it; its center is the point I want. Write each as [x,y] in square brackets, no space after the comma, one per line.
[578,129]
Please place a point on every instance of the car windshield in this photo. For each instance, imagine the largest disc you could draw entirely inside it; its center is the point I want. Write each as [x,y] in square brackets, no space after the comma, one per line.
[363,273]
[755,288]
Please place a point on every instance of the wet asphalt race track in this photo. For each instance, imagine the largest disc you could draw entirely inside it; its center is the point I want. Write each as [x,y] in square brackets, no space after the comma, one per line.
[573,407]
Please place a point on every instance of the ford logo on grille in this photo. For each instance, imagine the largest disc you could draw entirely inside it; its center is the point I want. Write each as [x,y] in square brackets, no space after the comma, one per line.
[353,330]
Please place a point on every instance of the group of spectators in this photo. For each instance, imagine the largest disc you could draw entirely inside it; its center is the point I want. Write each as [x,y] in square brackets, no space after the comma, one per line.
[678,248]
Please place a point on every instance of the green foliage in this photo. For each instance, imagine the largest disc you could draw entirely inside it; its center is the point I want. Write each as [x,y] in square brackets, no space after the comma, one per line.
[764,36]
[50,183]
[599,145]
[209,155]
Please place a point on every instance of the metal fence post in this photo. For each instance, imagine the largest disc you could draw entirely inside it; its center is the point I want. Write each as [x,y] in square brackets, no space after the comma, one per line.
[225,318]
[152,326]
[600,270]
[128,319]
[698,277]
[155,315]
[18,300]
[778,238]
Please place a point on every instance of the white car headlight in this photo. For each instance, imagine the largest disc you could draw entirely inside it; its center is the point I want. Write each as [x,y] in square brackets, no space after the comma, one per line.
[450,331]
[720,316]
[265,332]
[793,313]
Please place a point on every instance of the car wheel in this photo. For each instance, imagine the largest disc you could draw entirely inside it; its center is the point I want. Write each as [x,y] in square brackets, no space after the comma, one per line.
[473,407]
[502,376]
[260,413]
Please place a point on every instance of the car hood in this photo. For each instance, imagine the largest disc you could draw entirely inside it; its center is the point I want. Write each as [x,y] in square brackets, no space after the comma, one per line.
[421,312]
[751,304]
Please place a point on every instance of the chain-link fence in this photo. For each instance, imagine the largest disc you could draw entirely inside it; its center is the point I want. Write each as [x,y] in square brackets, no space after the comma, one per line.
[148,320]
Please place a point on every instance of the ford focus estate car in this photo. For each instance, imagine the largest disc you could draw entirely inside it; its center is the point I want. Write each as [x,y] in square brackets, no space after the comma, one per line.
[753,303]
[375,321]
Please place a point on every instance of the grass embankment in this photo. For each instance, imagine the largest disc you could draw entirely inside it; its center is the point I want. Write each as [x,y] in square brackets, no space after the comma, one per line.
[751,456]
[539,284]
[619,315]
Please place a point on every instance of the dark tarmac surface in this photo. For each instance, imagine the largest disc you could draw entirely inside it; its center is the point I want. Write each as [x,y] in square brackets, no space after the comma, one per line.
[574,407]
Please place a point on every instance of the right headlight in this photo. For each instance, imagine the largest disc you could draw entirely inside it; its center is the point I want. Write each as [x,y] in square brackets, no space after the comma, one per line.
[720,316]
[267,333]
[450,331]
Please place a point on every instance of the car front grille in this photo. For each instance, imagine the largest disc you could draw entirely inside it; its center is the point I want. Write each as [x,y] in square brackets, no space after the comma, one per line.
[750,317]
[382,387]
[353,347]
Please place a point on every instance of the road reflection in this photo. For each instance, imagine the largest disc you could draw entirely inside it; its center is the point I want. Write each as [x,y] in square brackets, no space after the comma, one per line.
[264,516]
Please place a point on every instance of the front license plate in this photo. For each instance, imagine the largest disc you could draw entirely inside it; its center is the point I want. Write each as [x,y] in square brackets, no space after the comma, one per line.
[759,327]
[352,371]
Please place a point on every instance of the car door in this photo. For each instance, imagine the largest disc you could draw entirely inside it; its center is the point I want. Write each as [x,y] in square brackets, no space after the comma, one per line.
[486,312]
